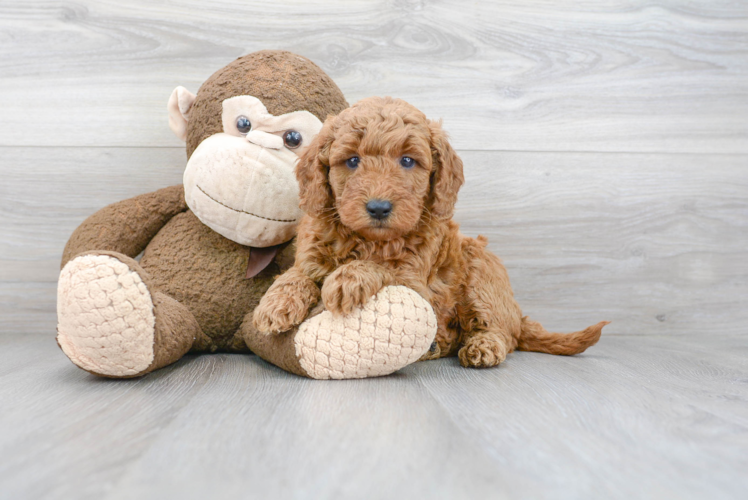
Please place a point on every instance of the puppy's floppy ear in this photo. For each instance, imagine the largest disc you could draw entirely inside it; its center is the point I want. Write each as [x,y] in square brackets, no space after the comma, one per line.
[447,177]
[315,193]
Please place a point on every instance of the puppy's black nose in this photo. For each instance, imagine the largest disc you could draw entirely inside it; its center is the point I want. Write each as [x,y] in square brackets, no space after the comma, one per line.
[379,209]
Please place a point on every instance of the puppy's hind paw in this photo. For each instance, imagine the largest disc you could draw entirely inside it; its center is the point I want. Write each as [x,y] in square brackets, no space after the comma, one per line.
[482,352]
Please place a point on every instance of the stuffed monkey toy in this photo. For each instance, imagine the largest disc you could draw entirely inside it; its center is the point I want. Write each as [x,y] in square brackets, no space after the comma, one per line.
[212,246]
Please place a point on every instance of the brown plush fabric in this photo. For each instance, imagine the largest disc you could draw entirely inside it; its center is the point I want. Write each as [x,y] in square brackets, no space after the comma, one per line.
[184,259]
[126,226]
[207,273]
[278,349]
[283,81]
[176,330]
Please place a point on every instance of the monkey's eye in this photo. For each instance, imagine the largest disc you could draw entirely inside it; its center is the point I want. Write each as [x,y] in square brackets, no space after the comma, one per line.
[243,125]
[352,162]
[292,139]
[407,162]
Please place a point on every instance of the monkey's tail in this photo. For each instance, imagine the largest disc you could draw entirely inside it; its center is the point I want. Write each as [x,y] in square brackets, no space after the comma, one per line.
[536,338]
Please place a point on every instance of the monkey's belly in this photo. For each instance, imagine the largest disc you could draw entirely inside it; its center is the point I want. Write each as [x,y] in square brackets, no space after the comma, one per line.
[206,272]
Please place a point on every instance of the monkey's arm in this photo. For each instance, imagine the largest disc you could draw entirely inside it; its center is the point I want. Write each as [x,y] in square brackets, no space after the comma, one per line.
[128,225]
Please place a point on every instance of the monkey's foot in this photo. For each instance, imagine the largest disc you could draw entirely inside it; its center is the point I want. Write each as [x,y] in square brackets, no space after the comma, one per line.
[105,316]
[392,330]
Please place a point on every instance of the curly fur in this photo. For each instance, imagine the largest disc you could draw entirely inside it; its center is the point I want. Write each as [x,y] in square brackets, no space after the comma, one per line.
[354,255]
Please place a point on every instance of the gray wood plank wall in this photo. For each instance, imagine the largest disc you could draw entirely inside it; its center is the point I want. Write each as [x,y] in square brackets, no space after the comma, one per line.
[605,142]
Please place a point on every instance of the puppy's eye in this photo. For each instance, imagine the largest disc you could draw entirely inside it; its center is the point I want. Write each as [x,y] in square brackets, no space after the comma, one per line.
[243,125]
[292,139]
[407,162]
[352,162]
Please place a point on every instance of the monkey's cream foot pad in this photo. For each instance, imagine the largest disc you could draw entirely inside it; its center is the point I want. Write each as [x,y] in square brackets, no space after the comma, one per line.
[105,319]
[392,330]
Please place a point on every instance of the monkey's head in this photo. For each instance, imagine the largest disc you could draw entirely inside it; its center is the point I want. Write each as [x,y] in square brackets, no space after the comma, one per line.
[245,130]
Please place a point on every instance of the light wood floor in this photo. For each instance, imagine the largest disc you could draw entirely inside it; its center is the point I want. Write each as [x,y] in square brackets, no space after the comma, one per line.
[634,417]
[606,156]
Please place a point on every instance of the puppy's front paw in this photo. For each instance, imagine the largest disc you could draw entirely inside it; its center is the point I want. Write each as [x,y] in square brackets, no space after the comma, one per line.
[347,288]
[482,352]
[272,318]
[282,309]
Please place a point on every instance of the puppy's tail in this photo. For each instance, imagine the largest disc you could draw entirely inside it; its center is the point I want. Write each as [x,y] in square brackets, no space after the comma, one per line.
[536,338]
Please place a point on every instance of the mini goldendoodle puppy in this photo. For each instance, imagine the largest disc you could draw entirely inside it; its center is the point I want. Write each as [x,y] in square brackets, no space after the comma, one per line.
[379,185]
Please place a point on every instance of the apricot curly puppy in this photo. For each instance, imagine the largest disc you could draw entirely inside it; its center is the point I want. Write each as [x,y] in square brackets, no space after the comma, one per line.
[379,186]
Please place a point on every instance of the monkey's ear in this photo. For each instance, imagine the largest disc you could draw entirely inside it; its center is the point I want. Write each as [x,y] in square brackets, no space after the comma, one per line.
[179,106]
[315,193]
[447,176]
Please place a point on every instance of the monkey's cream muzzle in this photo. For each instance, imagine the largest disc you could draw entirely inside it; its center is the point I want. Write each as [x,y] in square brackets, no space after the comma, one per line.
[242,185]
[244,192]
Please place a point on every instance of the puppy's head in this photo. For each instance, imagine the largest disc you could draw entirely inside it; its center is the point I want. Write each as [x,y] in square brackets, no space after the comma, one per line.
[382,167]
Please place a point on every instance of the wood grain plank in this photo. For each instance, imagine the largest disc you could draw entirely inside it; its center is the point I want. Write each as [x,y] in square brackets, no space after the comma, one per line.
[69,434]
[634,417]
[252,425]
[609,75]
[293,438]
[48,192]
[656,243]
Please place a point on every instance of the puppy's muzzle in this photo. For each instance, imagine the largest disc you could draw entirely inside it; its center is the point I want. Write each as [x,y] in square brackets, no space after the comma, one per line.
[379,209]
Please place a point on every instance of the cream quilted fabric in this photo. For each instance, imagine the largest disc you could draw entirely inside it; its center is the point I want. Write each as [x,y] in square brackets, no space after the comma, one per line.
[105,316]
[391,331]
